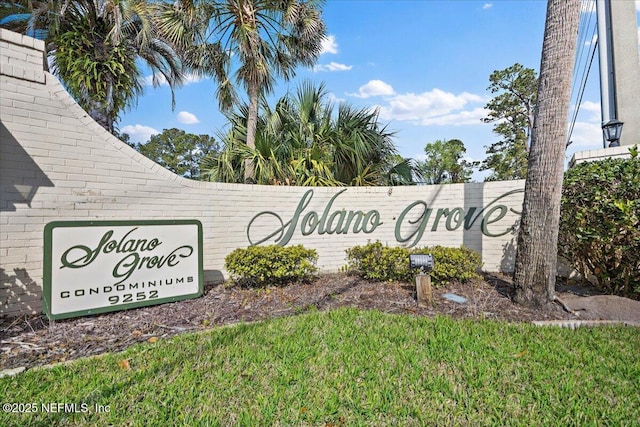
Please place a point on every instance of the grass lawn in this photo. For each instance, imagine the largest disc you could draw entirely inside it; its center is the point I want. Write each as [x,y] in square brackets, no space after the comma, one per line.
[348,367]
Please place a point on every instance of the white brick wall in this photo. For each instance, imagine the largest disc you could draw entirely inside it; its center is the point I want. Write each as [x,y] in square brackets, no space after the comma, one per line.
[56,164]
[621,152]
[22,57]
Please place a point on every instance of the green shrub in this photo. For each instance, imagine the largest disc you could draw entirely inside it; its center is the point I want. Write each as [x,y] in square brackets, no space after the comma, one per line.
[376,261]
[454,264]
[600,223]
[263,265]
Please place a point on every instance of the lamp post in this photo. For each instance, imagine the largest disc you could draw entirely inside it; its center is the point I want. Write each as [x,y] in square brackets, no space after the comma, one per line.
[612,131]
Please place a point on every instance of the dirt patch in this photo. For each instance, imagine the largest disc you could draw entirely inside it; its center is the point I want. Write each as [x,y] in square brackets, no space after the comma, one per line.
[34,340]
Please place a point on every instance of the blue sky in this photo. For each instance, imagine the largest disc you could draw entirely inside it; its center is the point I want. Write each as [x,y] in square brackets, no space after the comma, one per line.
[424,63]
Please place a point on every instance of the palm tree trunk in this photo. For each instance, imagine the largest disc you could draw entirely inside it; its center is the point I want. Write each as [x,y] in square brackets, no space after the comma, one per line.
[97,111]
[252,123]
[536,258]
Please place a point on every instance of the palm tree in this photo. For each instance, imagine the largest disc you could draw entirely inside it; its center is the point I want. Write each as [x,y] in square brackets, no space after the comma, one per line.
[283,152]
[536,258]
[301,142]
[264,39]
[94,46]
[270,156]
[400,171]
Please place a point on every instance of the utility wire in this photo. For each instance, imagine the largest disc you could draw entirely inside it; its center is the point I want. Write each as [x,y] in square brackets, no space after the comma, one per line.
[582,36]
[584,85]
[585,30]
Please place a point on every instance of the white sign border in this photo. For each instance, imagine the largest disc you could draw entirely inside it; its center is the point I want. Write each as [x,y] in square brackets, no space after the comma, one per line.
[48,265]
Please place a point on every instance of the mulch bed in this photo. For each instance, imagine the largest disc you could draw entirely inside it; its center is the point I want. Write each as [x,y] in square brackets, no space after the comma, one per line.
[31,341]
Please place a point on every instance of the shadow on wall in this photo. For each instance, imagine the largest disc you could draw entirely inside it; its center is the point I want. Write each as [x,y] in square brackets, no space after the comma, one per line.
[472,238]
[508,262]
[213,276]
[20,176]
[20,292]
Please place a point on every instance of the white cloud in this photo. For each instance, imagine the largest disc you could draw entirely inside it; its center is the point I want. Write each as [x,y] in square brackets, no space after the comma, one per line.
[332,66]
[638,5]
[487,6]
[461,118]
[435,107]
[187,118]
[593,108]
[139,133]
[192,78]
[148,80]
[334,99]
[329,45]
[161,81]
[374,88]
[586,134]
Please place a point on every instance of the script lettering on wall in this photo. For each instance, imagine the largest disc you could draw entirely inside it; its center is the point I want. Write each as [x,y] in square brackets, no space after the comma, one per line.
[325,222]
[407,231]
[453,219]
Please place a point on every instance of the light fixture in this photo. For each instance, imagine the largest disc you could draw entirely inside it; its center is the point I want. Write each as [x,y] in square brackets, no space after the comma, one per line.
[424,262]
[612,131]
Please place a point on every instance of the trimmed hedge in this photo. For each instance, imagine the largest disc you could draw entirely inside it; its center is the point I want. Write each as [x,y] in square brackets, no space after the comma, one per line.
[273,264]
[379,262]
[600,223]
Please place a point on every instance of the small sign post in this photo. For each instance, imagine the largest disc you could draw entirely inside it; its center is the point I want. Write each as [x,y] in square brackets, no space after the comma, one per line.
[424,292]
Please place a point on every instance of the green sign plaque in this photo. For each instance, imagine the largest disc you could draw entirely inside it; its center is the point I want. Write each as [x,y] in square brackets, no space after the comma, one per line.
[100,266]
